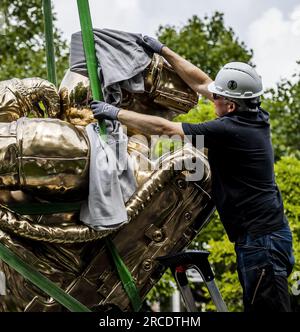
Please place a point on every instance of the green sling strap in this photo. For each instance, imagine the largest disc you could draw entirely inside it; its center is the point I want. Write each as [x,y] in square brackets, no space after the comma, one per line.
[123,272]
[40,281]
[45,208]
[90,53]
[125,276]
[91,60]
[50,51]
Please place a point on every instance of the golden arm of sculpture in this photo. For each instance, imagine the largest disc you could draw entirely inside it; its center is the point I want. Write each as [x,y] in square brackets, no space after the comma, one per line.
[46,160]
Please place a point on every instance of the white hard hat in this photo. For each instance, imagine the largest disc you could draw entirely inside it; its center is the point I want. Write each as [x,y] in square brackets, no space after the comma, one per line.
[237,80]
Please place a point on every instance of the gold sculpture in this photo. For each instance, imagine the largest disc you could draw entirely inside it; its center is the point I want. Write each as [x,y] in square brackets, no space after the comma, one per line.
[44,161]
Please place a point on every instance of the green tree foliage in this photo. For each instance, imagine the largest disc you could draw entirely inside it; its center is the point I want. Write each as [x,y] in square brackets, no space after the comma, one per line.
[287,171]
[22,47]
[283,103]
[207,43]
[204,111]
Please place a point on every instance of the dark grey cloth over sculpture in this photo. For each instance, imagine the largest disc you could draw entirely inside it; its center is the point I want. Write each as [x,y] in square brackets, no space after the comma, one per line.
[112,180]
[122,62]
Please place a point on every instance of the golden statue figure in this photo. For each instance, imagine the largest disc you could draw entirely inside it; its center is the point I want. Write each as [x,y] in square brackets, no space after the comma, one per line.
[44,163]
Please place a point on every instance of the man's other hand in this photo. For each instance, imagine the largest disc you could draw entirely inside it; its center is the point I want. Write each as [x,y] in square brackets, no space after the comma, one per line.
[151,45]
[102,110]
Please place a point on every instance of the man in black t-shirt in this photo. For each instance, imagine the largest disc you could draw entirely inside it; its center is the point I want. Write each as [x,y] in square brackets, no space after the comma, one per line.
[243,184]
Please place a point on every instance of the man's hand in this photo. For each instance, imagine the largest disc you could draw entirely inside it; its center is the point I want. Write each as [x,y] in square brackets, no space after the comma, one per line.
[152,45]
[103,110]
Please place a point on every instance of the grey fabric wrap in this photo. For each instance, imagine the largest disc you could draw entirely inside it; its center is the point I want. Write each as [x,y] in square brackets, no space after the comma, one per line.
[122,62]
[112,181]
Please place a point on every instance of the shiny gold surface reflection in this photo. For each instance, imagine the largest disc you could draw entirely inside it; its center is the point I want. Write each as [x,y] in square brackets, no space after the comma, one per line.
[45,161]
[33,97]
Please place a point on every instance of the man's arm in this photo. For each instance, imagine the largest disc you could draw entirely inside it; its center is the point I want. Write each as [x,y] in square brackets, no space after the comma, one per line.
[192,75]
[148,124]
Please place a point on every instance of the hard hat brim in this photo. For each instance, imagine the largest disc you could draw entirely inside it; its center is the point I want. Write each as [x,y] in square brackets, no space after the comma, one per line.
[213,89]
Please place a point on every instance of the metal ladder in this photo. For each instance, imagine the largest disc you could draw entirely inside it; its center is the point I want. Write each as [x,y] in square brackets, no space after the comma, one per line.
[180,262]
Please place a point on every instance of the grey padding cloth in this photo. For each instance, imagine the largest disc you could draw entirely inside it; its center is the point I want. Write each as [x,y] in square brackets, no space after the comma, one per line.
[112,179]
[122,62]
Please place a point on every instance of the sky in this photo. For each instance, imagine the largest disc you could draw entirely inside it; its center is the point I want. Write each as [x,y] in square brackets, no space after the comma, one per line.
[270,27]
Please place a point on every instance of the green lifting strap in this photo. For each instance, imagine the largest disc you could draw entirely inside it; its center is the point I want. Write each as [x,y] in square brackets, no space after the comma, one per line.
[50,288]
[45,208]
[91,60]
[50,52]
[90,53]
[125,276]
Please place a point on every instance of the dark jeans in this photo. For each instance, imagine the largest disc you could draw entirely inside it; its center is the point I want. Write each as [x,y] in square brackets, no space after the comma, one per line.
[264,263]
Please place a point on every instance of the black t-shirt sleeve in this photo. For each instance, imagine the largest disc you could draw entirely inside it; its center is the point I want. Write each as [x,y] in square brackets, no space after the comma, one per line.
[213,132]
